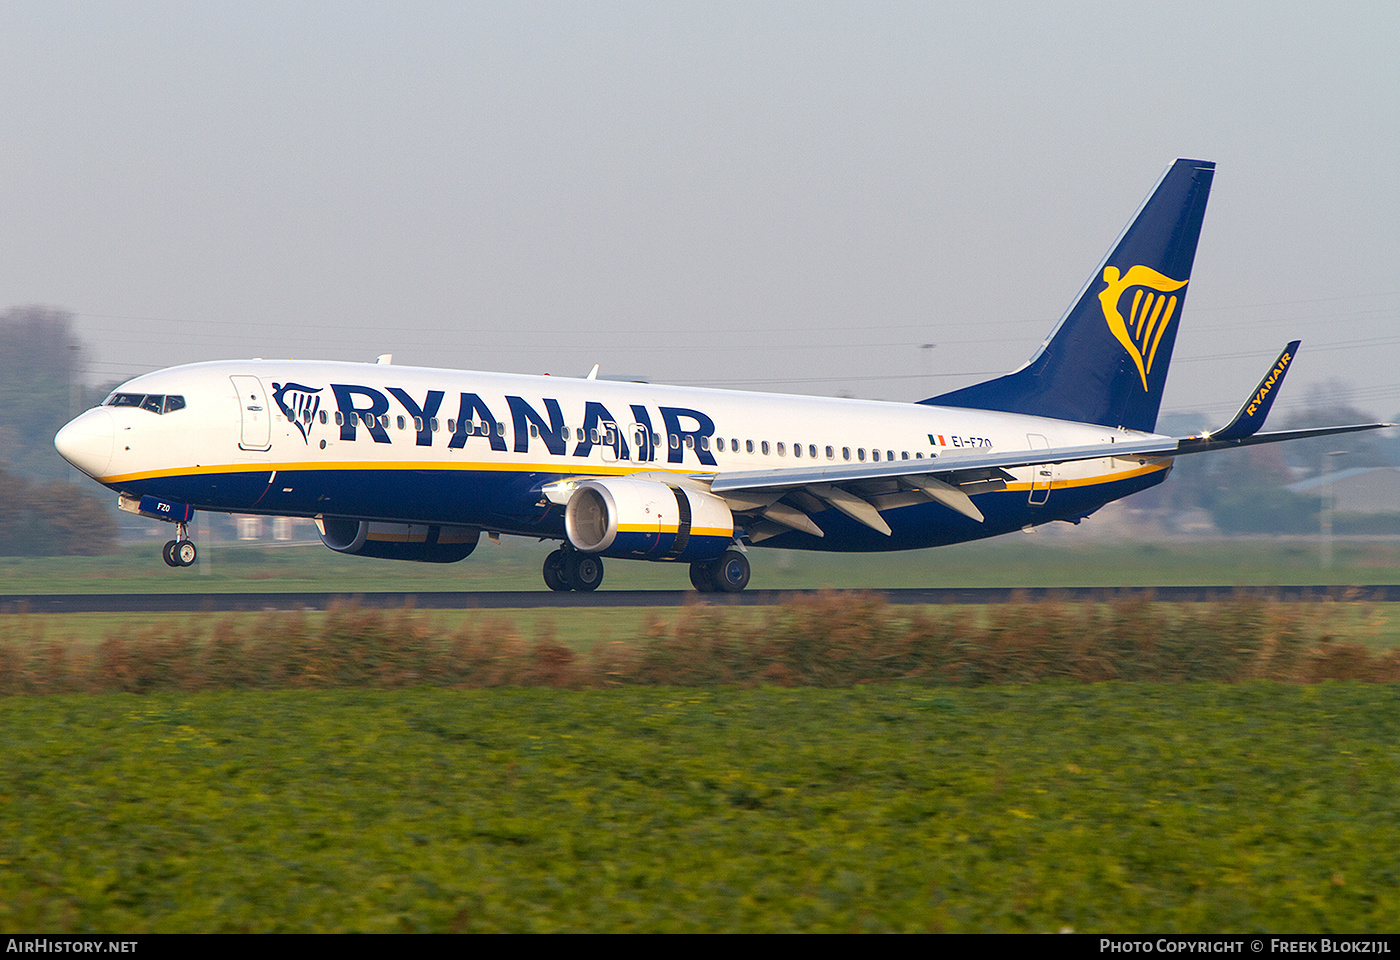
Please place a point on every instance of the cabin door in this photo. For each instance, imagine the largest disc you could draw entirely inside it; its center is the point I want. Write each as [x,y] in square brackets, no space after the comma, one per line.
[256,431]
[1042,474]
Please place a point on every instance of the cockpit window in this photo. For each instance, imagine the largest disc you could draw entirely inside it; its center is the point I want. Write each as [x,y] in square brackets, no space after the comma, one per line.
[154,402]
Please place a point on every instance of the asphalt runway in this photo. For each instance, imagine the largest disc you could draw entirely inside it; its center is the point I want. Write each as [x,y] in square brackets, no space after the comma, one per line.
[537,599]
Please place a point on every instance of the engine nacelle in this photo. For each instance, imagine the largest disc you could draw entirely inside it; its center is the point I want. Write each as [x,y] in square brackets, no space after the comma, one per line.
[428,543]
[647,520]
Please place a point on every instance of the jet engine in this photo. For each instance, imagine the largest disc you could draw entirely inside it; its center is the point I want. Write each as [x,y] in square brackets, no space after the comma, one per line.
[429,543]
[647,520]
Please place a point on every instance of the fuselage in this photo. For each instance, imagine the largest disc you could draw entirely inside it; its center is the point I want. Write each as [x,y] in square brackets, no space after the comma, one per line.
[401,444]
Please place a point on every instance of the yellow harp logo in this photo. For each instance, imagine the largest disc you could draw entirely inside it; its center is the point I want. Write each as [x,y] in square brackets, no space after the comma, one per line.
[1154,305]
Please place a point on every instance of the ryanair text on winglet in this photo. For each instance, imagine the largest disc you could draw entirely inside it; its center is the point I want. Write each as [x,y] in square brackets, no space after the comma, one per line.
[1268,384]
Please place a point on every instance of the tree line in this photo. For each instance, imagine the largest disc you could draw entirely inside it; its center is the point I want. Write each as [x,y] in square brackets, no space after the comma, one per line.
[41,389]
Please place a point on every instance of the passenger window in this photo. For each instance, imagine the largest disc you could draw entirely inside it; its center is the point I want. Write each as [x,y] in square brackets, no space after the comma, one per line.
[860,454]
[875,455]
[675,442]
[432,424]
[418,424]
[831,453]
[719,444]
[812,450]
[323,417]
[797,449]
[782,449]
[748,445]
[339,419]
[534,431]
[846,453]
[704,443]
[904,455]
[765,448]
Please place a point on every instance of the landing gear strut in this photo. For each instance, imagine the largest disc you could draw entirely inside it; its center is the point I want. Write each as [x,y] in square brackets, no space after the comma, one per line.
[181,551]
[566,570]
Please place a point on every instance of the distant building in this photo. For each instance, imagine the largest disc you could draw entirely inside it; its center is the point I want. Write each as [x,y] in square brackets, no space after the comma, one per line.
[1358,490]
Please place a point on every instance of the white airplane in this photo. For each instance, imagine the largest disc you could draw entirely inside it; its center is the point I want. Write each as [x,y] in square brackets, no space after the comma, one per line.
[414,463]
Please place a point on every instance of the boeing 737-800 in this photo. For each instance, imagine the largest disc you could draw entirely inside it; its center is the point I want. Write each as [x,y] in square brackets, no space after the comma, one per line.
[414,463]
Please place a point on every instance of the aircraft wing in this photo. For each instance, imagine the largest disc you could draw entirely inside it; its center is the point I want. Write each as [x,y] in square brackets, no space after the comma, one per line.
[787,497]
[780,500]
[972,462]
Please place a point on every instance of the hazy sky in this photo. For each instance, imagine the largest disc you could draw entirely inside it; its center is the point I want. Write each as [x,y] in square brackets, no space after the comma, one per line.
[885,200]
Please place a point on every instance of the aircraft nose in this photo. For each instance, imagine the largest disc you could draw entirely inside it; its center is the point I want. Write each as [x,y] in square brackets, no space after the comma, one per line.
[87,442]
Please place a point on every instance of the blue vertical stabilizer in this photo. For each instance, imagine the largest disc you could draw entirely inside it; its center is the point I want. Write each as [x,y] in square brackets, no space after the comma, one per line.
[1106,361]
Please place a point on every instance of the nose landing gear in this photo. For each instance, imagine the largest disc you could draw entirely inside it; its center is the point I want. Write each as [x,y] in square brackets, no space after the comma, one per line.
[180,552]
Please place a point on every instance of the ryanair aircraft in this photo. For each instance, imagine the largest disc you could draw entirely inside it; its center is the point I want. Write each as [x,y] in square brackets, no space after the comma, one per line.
[413,463]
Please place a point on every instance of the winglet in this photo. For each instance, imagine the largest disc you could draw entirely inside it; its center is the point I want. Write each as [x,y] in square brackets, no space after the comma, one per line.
[1251,416]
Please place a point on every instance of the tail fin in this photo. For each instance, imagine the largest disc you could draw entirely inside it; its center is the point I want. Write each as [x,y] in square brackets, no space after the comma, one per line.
[1106,360]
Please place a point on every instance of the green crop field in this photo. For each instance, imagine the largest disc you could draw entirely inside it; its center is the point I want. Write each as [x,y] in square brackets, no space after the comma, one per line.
[1104,807]
[959,798]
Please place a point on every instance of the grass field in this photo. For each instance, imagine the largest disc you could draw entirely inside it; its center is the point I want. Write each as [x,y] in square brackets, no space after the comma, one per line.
[1105,807]
[1374,625]
[1040,559]
[1108,807]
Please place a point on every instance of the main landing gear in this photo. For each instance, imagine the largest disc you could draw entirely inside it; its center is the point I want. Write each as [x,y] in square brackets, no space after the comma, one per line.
[566,570]
[728,574]
[181,551]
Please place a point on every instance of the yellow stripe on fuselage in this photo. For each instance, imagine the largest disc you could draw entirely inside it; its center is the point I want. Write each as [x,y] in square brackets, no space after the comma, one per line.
[556,469]
[1096,480]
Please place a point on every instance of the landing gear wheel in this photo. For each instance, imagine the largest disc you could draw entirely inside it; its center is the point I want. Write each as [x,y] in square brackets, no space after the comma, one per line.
[702,576]
[167,553]
[583,571]
[731,572]
[554,572]
[185,553]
